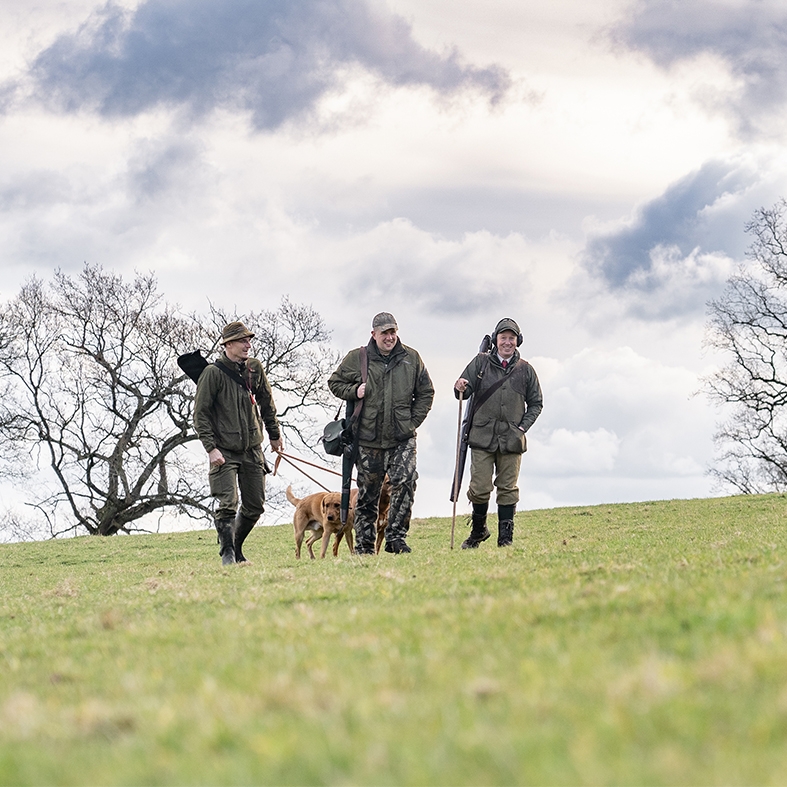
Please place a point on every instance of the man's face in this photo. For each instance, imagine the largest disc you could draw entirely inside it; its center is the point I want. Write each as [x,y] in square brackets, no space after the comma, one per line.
[506,344]
[238,350]
[385,340]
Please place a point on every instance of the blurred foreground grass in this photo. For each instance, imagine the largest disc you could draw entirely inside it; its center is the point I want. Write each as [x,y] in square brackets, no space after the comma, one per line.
[621,644]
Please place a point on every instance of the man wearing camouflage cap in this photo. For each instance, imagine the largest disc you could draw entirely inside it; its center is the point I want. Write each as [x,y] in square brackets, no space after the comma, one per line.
[507,401]
[233,402]
[397,396]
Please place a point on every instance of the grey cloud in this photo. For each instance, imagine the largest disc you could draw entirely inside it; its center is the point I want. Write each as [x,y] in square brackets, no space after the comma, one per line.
[750,36]
[273,59]
[156,168]
[682,218]
[676,252]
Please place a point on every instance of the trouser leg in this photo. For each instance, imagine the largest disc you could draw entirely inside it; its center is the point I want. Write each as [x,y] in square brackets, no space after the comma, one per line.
[251,481]
[244,472]
[403,476]
[223,482]
[507,478]
[482,466]
[370,469]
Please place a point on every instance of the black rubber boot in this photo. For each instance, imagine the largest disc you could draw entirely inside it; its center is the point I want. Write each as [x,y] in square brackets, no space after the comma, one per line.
[243,526]
[505,525]
[479,531]
[226,545]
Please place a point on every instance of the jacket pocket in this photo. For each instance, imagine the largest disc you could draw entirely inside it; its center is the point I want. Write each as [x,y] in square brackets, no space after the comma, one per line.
[367,426]
[516,440]
[403,421]
[482,433]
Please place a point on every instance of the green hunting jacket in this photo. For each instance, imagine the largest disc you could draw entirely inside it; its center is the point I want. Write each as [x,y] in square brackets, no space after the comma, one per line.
[398,396]
[501,421]
[225,415]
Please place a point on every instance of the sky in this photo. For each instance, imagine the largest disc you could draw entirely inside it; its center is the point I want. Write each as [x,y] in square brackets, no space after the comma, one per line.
[585,168]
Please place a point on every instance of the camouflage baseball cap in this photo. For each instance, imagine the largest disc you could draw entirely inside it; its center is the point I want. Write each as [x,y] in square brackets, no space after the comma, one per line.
[384,322]
[234,331]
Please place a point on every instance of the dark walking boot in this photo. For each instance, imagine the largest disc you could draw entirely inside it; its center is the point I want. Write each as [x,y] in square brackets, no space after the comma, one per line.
[243,526]
[397,547]
[479,531]
[505,525]
[226,545]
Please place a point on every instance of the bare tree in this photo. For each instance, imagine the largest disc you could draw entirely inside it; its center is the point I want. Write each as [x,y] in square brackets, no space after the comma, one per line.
[749,323]
[94,398]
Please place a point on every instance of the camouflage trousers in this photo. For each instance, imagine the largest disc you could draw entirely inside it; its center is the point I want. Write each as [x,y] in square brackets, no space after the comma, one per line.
[372,465]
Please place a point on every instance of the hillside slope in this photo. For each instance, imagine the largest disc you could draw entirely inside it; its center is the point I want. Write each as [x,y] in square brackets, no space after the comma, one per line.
[619,644]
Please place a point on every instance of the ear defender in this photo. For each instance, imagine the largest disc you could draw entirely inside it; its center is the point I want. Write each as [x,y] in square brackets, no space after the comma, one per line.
[507,324]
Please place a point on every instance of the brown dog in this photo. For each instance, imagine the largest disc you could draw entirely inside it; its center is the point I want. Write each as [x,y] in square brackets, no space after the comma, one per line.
[320,514]
[382,513]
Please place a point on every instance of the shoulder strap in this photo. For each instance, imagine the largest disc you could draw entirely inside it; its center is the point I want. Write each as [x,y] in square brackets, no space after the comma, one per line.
[519,367]
[364,372]
[364,364]
[234,376]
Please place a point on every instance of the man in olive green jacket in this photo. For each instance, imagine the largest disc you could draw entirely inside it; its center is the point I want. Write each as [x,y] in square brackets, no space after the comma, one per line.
[233,400]
[507,401]
[397,396]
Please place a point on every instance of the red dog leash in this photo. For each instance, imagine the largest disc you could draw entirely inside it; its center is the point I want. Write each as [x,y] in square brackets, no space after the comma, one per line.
[291,461]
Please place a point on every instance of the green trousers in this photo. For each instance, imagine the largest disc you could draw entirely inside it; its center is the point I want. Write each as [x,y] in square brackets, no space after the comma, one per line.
[240,471]
[497,470]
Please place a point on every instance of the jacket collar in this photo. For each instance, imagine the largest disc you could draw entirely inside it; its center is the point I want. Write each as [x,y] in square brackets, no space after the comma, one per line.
[374,351]
[238,368]
[495,360]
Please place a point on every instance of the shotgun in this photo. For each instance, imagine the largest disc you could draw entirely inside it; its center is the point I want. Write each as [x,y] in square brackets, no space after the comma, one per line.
[467,422]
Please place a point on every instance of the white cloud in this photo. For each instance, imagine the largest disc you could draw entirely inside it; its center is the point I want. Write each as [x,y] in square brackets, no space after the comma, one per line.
[748,36]
[599,204]
[576,453]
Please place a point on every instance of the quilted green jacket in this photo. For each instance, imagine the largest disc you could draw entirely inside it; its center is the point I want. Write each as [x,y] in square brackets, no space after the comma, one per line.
[399,393]
[225,416]
[501,421]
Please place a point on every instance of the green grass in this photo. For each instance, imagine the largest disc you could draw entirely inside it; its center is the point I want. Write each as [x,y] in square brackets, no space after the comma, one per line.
[618,644]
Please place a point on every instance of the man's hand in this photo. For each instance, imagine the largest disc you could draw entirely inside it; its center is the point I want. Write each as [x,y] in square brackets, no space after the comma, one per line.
[216,458]
[361,390]
[278,445]
[461,384]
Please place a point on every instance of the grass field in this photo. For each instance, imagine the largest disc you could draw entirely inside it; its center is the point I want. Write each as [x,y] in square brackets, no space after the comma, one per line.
[620,644]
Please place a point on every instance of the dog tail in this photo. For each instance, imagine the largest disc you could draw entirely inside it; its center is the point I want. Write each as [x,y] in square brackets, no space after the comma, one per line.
[291,497]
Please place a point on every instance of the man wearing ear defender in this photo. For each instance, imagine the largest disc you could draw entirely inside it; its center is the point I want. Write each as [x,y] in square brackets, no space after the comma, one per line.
[506,402]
